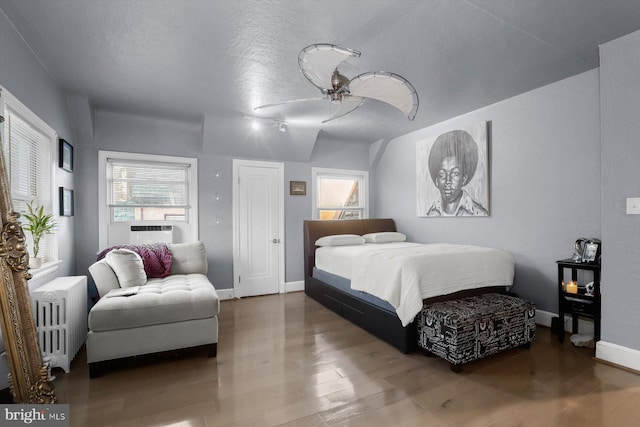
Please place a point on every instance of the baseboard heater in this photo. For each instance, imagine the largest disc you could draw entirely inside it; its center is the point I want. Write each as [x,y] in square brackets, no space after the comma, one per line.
[60,314]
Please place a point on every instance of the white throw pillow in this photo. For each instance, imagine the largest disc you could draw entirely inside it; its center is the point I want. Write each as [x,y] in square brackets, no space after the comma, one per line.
[384,237]
[128,267]
[188,258]
[340,240]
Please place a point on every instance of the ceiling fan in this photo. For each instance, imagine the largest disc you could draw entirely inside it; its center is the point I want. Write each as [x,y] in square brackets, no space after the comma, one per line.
[319,64]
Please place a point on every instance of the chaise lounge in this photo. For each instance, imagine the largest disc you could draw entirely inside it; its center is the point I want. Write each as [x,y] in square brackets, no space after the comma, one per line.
[174,312]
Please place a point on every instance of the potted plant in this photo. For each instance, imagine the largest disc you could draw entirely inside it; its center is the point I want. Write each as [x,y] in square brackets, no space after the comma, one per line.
[38,224]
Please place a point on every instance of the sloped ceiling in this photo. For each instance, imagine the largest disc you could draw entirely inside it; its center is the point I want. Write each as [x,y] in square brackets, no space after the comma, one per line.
[214,61]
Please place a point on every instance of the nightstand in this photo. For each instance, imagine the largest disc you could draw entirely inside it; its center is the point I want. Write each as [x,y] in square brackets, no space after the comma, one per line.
[580,303]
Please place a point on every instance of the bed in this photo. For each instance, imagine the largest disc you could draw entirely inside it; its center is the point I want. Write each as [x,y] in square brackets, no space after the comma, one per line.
[373,314]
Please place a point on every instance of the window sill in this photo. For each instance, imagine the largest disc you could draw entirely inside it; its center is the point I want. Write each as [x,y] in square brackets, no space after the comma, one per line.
[47,267]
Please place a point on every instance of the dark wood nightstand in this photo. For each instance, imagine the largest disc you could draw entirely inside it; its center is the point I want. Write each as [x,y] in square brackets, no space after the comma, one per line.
[578,304]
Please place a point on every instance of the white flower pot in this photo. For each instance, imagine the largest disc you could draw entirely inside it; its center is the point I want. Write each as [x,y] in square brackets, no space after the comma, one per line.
[35,263]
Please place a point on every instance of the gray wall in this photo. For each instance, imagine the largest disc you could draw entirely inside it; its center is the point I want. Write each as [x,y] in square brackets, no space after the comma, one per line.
[620,107]
[545,182]
[117,131]
[22,74]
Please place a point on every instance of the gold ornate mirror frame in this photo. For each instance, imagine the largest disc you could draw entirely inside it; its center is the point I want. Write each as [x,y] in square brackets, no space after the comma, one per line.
[28,377]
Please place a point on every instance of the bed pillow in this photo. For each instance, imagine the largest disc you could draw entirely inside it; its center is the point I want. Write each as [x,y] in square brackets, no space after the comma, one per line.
[340,240]
[384,237]
[128,267]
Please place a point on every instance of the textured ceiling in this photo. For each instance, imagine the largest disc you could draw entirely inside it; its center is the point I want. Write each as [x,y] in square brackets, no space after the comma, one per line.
[213,61]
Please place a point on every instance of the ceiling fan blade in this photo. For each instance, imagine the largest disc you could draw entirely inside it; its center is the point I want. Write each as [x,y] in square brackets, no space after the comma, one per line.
[387,87]
[318,61]
[347,105]
[259,107]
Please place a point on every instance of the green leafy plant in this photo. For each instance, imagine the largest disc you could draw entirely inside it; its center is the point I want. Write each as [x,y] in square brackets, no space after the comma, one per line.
[38,224]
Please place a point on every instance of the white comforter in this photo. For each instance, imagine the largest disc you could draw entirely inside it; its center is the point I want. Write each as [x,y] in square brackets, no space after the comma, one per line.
[404,276]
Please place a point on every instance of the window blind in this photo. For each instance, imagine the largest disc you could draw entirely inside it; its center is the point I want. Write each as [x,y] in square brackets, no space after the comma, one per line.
[29,161]
[142,190]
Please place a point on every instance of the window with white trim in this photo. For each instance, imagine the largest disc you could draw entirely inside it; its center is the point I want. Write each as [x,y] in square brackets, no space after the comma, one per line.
[27,143]
[340,193]
[151,189]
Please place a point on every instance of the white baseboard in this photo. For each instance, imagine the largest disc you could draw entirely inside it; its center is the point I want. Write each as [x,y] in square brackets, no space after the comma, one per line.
[294,286]
[605,351]
[618,355]
[543,318]
[224,294]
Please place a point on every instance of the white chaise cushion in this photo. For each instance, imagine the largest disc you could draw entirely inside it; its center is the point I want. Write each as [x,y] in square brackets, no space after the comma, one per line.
[128,267]
[175,298]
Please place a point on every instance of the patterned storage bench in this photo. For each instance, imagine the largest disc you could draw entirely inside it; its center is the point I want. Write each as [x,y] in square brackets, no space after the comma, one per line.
[471,328]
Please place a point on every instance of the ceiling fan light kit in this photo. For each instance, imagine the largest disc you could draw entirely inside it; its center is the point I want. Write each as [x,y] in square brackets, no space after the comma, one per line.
[319,64]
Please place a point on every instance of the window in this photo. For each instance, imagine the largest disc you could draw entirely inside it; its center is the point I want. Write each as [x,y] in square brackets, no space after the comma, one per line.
[340,194]
[147,191]
[27,144]
[147,188]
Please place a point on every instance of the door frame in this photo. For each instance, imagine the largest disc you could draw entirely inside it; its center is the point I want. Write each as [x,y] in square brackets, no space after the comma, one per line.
[237,163]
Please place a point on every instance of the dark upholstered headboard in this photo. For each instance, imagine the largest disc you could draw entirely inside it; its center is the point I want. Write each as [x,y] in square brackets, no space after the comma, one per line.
[313,230]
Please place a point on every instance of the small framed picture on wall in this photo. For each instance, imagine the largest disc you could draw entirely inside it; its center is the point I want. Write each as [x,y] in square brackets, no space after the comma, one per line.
[66,202]
[65,156]
[298,188]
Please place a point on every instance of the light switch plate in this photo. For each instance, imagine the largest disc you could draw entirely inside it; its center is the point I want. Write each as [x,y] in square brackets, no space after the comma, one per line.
[633,206]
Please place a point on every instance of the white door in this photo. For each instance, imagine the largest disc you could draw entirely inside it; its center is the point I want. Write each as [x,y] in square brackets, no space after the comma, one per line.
[258,227]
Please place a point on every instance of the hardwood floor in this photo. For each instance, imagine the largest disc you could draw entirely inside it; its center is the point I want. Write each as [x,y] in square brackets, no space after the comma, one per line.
[286,360]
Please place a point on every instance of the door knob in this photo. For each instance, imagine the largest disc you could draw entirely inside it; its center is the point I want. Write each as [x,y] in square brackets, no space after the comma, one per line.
[276,240]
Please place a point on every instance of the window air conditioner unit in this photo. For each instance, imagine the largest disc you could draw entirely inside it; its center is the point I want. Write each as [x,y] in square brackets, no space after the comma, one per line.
[143,234]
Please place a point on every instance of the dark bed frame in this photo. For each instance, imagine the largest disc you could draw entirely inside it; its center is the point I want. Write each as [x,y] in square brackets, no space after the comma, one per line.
[373,319]
[377,321]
